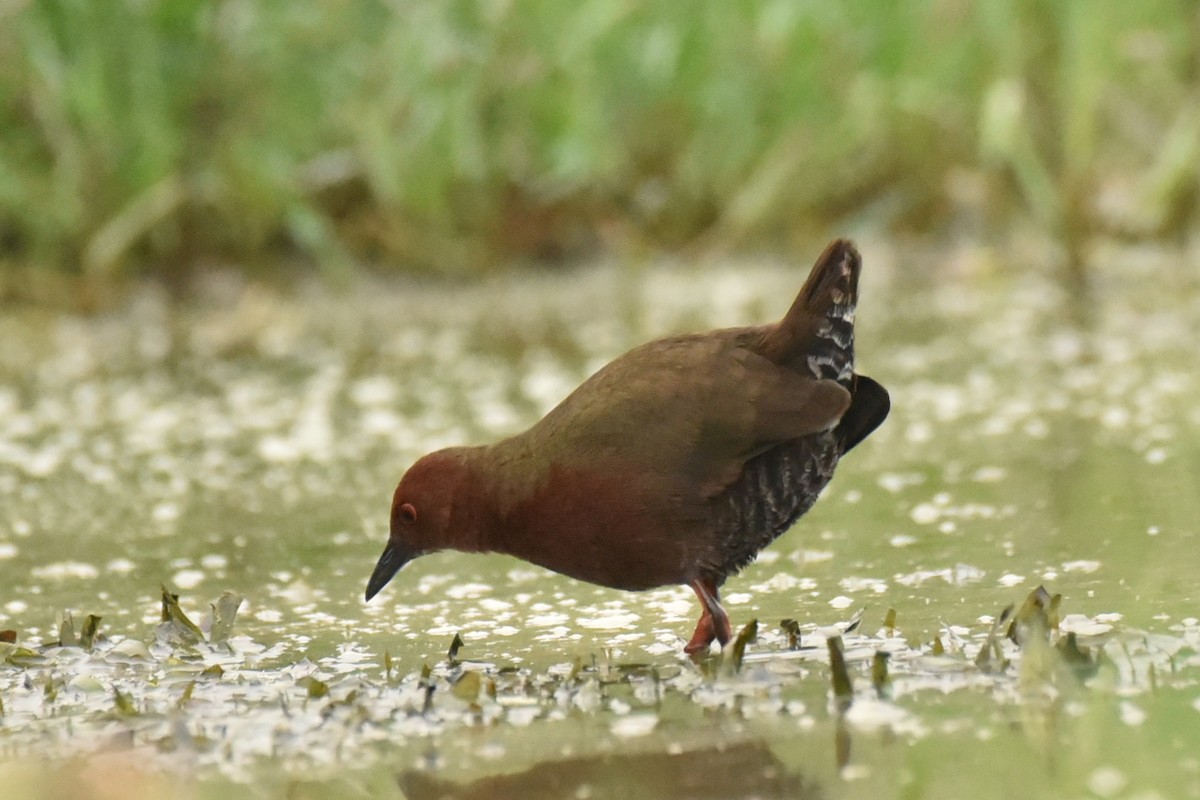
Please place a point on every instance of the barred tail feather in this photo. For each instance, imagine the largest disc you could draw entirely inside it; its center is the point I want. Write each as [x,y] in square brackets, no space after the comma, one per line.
[817,333]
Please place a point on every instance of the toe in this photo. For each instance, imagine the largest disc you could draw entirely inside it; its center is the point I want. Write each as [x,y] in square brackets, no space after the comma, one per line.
[703,637]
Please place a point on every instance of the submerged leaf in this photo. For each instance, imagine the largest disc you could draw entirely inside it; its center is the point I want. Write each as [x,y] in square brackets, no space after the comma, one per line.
[1082,662]
[224,612]
[879,674]
[455,646]
[20,656]
[1072,652]
[467,686]
[90,628]
[843,689]
[737,652]
[127,651]
[316,687]
[991,656]
[187,694]
[988,660]
[168,598]
[176,628]
[215,671]
[8,636]
[1052,612]
[66,631]
[124,703]
[427,706]
[86,683]
[841,742]
[1039,668]
[1034,616]
[889,622]
[792,628]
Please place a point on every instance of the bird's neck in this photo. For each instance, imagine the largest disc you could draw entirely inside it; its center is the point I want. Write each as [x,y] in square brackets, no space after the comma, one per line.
[497,480]
[472,523]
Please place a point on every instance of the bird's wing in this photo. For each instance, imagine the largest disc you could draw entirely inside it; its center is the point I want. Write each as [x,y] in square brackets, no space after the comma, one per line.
[781,404]
[690,410]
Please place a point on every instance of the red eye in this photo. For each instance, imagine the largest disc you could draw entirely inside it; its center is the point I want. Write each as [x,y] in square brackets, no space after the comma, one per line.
[408,512]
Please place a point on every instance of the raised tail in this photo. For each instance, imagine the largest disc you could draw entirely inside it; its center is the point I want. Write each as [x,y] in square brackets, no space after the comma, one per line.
[817,333]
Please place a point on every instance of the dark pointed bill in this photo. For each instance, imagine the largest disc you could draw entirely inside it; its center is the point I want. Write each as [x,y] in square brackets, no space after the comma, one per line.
[390,562]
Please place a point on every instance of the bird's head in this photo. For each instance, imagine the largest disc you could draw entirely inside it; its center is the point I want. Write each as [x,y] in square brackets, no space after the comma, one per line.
[422,512]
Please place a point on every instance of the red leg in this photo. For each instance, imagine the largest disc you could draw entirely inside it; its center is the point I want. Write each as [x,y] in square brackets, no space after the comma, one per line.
[714,622]
[703,636]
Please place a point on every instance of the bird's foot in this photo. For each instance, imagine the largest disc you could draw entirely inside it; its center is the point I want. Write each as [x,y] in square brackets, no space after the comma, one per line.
[703,636]
[714,622]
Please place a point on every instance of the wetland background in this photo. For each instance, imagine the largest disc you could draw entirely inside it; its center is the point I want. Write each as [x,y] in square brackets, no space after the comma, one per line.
[257,258]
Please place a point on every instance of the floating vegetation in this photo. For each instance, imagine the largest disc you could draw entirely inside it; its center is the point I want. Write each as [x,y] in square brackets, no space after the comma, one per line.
[991,656]
[1037,616]
[223,614]
[455,646]
[124,704]
[737,650]
[314,687]
[216,683]
[176,627]
[1083,662]
[792,629]
[66,631]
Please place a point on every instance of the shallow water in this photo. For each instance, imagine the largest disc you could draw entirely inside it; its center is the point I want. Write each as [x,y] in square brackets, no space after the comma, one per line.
[249,440]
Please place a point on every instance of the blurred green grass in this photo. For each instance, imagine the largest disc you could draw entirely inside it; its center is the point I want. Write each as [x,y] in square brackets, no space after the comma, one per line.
[149,136]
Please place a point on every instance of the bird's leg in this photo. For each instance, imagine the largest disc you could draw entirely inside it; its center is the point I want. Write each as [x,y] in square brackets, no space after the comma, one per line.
[703,636]
[714,622]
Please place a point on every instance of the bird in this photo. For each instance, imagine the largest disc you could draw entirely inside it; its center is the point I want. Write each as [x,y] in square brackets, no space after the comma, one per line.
[674,464]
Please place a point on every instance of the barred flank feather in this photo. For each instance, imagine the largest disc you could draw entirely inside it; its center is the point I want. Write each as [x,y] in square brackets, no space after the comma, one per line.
[777,486]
